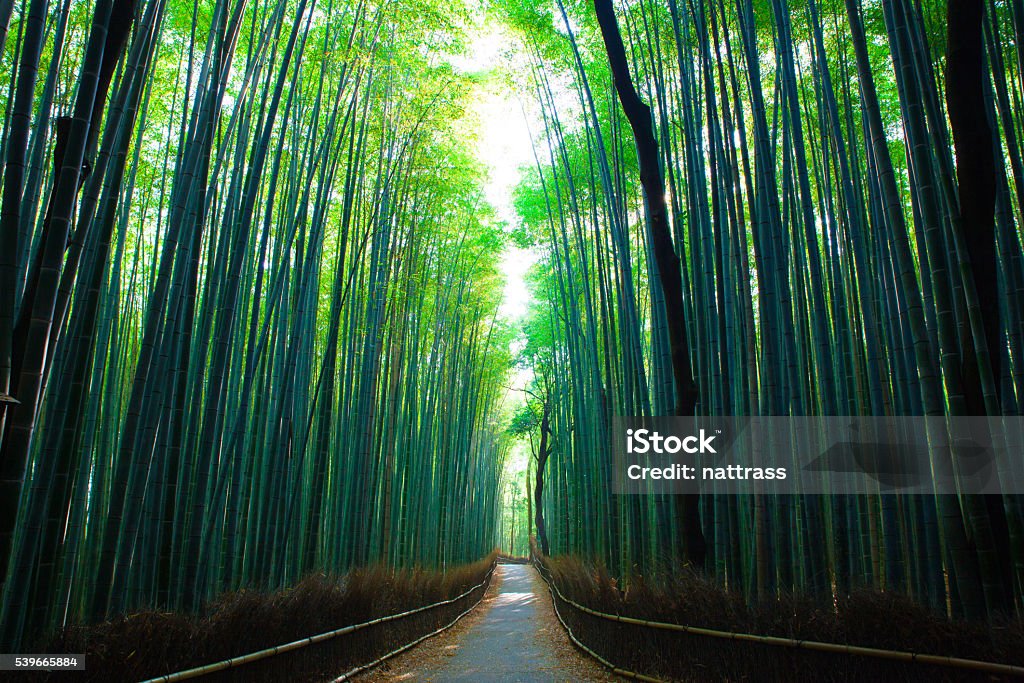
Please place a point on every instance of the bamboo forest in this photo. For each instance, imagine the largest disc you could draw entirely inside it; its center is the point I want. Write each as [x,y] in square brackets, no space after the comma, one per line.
[308,287]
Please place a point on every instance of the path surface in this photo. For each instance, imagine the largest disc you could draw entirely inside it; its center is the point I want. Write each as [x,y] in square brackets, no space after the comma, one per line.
[513,635]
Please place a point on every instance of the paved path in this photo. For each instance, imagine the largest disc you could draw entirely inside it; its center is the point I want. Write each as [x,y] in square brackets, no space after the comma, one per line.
[512,636]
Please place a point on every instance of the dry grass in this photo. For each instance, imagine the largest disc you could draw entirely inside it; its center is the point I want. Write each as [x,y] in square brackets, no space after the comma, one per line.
[864,618]
[149,644]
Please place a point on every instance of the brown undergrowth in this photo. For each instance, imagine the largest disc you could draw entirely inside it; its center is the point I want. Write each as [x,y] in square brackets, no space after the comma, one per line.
[864,618]
[150,644]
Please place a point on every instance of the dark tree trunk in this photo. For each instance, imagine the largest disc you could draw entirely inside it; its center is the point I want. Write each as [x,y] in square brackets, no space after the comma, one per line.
[538,489]
[670,275]
[976,175]
[530,521]
[121,17]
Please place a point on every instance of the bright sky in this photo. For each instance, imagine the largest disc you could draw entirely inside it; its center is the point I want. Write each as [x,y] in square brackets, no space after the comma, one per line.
[504,146]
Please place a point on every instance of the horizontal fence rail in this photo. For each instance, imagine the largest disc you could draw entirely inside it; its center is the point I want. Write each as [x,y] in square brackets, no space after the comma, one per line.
[222,665]
[793,643]
[348,675]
